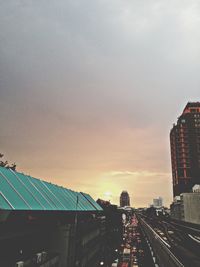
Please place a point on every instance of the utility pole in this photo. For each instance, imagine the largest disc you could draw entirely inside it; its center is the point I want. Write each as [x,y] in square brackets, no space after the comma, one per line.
[75,229]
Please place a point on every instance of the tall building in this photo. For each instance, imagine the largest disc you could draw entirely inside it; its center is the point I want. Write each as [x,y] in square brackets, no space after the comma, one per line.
[124,199]
[185,149]
[158,202]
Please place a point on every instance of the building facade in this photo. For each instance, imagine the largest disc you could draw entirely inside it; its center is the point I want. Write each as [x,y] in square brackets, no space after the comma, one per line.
[186,208]
[124,199]
[185,149]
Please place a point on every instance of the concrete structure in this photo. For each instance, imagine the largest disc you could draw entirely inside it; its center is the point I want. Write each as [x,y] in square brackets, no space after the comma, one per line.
[190,207]
[176,210]
[187,208]
[124,199]
[185,149]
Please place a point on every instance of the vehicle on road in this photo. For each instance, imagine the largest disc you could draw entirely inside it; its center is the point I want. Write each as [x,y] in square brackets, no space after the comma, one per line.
[126,254]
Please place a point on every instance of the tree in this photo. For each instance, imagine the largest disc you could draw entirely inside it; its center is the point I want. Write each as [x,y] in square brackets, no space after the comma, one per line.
[6,164]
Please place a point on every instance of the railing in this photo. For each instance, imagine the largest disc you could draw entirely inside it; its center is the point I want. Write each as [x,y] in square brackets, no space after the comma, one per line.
[161,248]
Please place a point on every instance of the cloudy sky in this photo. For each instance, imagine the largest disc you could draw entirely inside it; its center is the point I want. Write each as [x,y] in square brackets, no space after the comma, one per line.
[89,90]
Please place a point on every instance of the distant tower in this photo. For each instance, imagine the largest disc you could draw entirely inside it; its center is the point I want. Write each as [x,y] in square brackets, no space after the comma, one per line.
[124,199]
[185,149]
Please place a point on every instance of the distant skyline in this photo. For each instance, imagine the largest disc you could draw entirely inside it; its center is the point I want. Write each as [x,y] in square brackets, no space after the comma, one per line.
[89,91]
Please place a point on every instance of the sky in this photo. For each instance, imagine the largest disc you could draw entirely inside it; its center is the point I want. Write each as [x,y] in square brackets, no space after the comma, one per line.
[89,91]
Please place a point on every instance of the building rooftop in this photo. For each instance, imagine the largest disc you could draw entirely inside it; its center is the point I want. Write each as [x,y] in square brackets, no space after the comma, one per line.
[22,192]
[192,107]
[124,192]
[196,188]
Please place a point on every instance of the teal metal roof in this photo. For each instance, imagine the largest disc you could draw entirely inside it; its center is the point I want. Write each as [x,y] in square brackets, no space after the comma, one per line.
[22,192]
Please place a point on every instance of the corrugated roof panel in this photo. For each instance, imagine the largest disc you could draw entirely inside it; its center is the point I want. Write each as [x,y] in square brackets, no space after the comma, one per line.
[42,202]
[4,202]
[23,192]
[56,194]
[73,196]
[69,200]
[91,200]
[43,190]
[84,203]
[21,189]
[9,191]
[30,196]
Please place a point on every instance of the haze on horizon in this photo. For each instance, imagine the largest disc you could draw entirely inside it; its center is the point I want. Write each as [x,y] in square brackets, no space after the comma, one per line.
[89,91]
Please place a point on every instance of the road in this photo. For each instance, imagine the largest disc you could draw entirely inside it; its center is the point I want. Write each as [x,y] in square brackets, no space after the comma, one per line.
[134,250]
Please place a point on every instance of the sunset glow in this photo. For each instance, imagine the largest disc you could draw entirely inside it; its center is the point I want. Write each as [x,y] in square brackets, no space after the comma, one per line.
[89,91]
